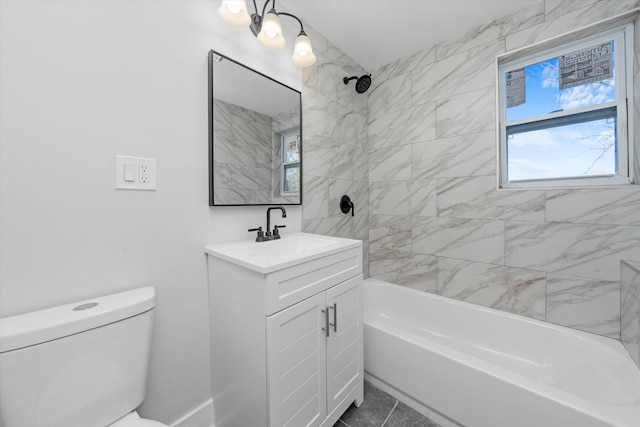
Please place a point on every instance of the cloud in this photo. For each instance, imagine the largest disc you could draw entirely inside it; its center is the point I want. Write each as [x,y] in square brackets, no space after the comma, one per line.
[588,94]
[538,138]
[549,74]
[526,169]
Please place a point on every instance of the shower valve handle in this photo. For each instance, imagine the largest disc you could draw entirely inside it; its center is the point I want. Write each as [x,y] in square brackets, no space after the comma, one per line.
[346,205]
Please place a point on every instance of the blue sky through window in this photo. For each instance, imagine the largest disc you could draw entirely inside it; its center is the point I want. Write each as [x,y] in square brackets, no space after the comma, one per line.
[570,150]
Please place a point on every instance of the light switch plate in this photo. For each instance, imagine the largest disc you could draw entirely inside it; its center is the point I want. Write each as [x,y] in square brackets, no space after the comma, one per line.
[135,173]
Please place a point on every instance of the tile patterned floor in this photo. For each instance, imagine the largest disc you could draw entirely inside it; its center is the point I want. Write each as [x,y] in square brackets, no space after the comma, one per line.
[381,410]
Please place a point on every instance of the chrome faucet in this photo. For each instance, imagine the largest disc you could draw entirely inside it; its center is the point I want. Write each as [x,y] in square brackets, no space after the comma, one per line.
[275,235]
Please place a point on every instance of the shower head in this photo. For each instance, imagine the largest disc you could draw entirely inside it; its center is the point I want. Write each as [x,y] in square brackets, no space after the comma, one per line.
[362,84]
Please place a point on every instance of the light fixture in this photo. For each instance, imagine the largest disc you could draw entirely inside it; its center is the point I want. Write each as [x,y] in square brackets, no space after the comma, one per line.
[234,13]
[267,28]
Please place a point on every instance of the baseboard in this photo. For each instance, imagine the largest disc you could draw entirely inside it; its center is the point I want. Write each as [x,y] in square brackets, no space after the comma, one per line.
[202,416]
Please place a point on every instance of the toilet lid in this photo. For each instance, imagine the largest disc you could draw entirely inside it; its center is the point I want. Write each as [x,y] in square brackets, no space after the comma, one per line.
[134,420]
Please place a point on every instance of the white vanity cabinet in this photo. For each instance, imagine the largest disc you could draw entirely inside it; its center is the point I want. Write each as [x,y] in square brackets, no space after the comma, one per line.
[286,335]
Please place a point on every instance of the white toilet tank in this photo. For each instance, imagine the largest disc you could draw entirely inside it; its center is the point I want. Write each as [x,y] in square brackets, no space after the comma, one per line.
[82,364]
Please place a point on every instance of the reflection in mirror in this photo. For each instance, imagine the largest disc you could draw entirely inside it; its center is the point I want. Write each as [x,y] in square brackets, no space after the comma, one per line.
[255,141]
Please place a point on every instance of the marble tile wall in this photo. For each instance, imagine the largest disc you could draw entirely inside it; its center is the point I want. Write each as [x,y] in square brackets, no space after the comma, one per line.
[436,221]
[630,300]
[335,145]
[243,154]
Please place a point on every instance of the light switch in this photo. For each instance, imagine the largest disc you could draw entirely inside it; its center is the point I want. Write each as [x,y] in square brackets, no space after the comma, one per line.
[129,172]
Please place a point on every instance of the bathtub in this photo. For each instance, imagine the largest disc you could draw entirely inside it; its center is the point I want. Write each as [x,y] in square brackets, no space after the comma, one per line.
[465,365]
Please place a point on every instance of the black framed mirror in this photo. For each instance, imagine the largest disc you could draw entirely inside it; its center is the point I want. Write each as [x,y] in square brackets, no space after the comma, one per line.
[255,137]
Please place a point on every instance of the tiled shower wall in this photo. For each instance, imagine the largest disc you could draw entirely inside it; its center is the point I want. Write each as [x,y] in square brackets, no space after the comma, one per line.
[335,155]
[436,220]
[630,301]
[243,152]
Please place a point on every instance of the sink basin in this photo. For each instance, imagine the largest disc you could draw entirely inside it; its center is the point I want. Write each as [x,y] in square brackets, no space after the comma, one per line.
[266,257]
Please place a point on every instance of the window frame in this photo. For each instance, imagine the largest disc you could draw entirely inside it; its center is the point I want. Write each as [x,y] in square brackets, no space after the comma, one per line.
[284,163]
[623,36]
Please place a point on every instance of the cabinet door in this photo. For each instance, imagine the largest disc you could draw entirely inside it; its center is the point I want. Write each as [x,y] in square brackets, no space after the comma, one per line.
[344,345]
[296,364]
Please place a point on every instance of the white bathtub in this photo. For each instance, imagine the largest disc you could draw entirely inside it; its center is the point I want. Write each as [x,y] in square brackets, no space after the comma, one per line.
[466,365]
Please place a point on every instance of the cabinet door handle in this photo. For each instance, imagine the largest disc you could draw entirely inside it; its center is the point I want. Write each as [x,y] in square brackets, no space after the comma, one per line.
[335,317]
[326,321]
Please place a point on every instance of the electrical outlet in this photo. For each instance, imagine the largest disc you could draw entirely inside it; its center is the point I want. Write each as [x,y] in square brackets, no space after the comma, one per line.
[145,171]
[135,173]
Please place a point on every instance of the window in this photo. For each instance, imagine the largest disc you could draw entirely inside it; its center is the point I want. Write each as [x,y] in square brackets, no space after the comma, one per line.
[290,162]
[563,113]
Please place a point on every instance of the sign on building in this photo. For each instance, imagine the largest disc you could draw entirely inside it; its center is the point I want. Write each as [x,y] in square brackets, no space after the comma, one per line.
[586,65]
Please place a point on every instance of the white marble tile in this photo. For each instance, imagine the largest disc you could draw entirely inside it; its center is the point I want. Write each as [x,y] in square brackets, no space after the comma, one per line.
[360,164]
[351,127]
[325,77]
[585,304]
[239,177]
[467,113]
[630,324]
[567,22]
[499,28]
[466,71]
[315,194]
[318,116]
[390,231]
[423,197]
[387,164]
[478,197]
[338,227]
[330,159]
[402,127]
[595,206]
[390,198]
[391,95]
[630,276]
[466,155]
[584,250]
[509,289]
[404,65]
[404,268]
[344,61]
[228,196]
[470,239]
[556,8]
[361,227]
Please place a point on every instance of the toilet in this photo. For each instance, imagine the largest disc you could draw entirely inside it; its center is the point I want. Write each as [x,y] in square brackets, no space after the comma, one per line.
[78,365]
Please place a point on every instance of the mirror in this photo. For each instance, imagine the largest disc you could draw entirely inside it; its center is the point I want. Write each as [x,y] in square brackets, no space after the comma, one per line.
[255,137]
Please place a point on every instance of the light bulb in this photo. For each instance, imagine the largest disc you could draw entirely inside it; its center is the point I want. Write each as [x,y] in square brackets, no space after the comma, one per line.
[234,13]
[270,35]
[303,52]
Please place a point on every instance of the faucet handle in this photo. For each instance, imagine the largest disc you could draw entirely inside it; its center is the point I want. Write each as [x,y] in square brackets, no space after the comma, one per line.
[260,237]
[276,233]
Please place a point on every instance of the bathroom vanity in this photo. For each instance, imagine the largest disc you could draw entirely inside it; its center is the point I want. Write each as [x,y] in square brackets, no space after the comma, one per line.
[286,330]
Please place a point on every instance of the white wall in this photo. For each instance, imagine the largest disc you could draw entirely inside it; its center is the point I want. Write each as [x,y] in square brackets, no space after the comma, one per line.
[82,81]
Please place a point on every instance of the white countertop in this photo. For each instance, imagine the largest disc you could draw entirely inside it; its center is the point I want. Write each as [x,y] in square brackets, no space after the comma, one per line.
[273,255]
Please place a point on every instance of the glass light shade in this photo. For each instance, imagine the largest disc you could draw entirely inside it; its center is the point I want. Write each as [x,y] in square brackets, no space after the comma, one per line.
[303,53]
[270,35]
[234,13]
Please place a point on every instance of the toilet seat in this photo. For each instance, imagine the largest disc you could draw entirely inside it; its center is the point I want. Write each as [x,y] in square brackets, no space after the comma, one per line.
[134,420]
